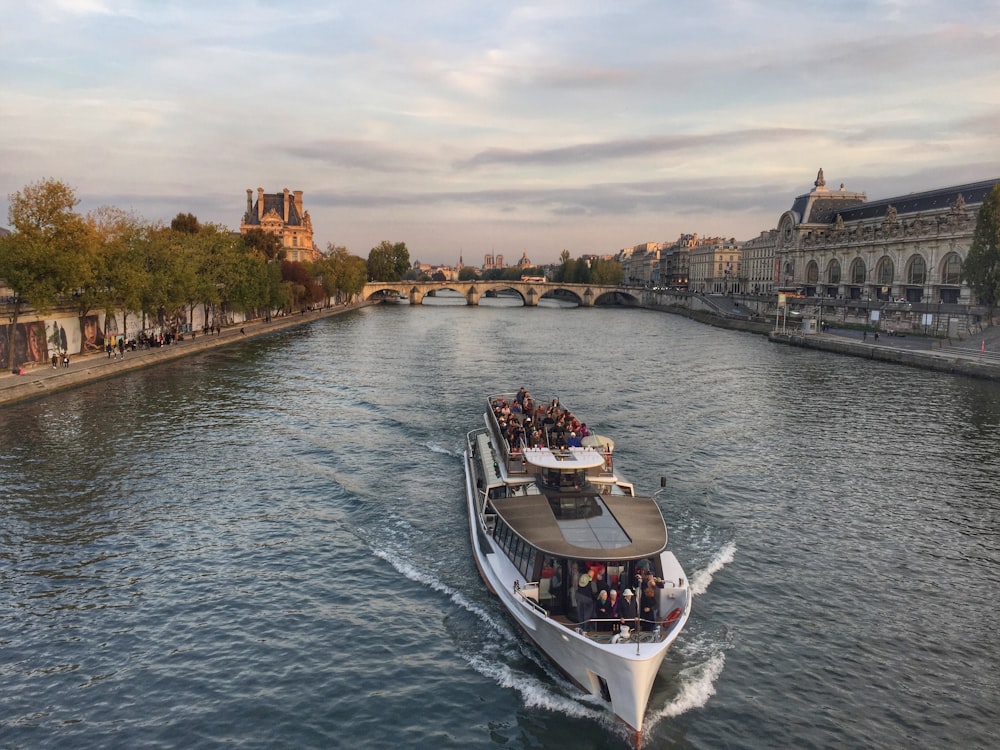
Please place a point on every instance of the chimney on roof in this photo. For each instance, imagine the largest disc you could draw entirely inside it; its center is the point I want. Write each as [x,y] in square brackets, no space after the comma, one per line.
[298,203]
[285,216]
[260,203]
[249,203]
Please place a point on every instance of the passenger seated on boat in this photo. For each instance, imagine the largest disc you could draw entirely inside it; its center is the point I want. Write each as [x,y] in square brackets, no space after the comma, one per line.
[573,441]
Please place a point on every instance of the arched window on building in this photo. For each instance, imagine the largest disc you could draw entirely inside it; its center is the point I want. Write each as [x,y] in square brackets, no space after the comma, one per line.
[951,269]
[812,272]
[917,273]
[858,272]
[833,272]
[885,271]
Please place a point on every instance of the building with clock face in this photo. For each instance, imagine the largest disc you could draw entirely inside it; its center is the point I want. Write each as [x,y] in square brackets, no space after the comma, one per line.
[837,243]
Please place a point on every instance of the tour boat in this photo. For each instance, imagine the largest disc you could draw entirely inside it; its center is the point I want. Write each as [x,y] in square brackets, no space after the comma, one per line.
[552,524]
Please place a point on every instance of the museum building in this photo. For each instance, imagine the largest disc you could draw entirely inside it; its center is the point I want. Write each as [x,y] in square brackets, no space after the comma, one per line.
[838,244]
[281,214]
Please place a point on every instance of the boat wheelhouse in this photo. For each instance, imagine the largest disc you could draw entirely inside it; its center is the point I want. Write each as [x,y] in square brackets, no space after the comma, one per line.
[552,526]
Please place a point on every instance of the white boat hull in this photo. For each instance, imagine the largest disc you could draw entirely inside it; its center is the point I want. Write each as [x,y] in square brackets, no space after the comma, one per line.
[627,669]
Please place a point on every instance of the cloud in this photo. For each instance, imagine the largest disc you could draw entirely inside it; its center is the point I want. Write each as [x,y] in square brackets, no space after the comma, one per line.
[348,153]
[630,148]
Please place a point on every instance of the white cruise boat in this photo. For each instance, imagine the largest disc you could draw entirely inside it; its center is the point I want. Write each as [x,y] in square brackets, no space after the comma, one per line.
[551,525]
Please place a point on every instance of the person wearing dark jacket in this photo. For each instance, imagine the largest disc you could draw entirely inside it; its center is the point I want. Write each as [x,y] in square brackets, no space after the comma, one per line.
[584,602]
[628,608]
[647,608]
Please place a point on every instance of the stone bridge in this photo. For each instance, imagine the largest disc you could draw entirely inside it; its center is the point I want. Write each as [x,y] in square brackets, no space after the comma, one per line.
[586,295]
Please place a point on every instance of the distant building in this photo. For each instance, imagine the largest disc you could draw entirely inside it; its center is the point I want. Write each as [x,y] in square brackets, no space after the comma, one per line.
[641,264]
[715,267]
[492,262]
[281,214]
[839,244]
[675,259]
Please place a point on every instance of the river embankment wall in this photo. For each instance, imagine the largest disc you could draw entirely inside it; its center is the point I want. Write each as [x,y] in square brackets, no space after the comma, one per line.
[953,360]
[41,379]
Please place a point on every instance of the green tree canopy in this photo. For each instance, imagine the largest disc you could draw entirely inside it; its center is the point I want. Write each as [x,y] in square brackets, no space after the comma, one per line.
[982,265]
[50,250]
[267,244]
[185,223]
[388,262]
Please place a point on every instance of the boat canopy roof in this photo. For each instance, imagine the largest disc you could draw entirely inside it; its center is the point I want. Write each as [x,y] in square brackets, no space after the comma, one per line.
[586,525]
[571,459]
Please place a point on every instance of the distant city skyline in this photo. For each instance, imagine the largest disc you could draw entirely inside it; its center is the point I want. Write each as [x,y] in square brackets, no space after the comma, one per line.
[467,129]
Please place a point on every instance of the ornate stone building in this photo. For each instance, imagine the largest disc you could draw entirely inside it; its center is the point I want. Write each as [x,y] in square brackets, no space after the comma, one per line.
[911,247]
[282,214]
[715,268]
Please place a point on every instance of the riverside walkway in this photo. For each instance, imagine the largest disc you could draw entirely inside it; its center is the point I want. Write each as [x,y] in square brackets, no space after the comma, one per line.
[41,379]
[977,356]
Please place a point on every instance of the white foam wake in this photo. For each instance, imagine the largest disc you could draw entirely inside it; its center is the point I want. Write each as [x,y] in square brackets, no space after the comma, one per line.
[419,576]
[441,449]
[701,579]
[697,686]
[535,693]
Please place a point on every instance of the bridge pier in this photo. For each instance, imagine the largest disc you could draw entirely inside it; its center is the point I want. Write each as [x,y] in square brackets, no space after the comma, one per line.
[416,296]
[472,296]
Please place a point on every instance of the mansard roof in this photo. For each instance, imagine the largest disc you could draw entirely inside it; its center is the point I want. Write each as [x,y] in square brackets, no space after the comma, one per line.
[824,210]
[914,203]
[275,202]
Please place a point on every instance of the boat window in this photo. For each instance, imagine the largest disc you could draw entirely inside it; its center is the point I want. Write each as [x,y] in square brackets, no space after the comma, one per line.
[585,521]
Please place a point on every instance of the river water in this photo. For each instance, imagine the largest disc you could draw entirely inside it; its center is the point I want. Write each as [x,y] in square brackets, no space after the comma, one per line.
[264,546]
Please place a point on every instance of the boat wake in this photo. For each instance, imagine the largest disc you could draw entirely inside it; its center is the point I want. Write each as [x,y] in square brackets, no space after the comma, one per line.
[434,448]
[697,687]
[492,658]
[535,693]
[702,578]
[413,573]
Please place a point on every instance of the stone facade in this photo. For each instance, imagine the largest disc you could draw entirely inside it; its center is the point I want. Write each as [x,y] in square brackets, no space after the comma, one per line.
[715,268]
[282,214]
[641,264]
[910,247]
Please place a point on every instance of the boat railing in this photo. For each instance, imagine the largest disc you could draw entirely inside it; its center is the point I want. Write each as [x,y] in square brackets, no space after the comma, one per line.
[529,594]
[610,630]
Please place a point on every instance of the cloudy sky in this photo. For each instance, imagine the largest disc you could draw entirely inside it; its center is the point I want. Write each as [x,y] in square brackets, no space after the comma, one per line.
[468,127]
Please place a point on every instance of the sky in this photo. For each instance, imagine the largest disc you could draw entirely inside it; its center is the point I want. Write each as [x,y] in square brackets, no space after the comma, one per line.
[465,128]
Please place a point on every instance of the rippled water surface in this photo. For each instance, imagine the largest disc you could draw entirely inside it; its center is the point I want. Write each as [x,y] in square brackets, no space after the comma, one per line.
[265,546]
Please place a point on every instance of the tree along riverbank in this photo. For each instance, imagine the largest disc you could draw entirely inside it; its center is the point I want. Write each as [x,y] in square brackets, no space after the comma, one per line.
[41,379]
